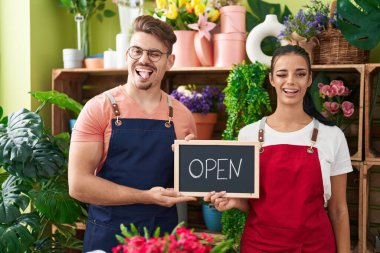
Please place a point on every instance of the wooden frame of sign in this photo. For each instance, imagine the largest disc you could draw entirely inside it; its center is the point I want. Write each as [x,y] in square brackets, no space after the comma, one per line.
[202,166]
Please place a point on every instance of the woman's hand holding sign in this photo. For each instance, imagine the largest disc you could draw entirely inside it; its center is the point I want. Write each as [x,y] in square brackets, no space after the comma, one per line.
[223,203]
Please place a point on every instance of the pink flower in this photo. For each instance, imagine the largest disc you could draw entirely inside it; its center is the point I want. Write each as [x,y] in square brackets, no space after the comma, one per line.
[348,109]
[331,107]
[338,87]
[203,26]
[326,90]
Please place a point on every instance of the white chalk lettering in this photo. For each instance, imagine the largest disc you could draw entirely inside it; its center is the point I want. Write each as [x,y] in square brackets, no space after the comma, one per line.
[224,168]
[220,169]
[208,167]
[190,170]
[237,172]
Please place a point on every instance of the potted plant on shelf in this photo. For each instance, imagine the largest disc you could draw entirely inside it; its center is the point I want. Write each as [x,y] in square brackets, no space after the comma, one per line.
[303,28]
[34,191]
[246,101]
[181,15]
[83,11]
[203,104]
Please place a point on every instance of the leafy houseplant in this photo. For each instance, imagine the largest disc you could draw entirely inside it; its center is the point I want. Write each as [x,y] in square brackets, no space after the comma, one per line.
[180,240]
[246,101]
[34,174]
[87,9]
[360,22]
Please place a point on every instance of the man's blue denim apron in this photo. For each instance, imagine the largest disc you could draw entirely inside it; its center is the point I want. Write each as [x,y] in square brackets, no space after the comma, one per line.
[139,156]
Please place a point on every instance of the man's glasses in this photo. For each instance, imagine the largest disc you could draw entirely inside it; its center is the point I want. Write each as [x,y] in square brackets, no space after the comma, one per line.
[153,54]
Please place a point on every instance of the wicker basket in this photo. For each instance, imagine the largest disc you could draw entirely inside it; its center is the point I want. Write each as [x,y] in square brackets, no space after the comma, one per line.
[335,49]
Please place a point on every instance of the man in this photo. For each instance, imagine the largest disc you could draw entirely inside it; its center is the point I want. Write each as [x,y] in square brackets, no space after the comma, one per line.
[120,160]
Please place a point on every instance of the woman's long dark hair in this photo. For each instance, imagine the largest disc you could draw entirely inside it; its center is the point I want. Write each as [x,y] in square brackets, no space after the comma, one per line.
[308,104]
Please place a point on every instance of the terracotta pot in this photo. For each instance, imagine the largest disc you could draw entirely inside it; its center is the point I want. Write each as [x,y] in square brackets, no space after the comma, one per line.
[93,63]
[184,49]
[205,125]
[232,19]
[229,49]
[204,50]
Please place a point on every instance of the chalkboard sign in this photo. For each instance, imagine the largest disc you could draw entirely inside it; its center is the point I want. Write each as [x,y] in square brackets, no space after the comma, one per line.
[202,166]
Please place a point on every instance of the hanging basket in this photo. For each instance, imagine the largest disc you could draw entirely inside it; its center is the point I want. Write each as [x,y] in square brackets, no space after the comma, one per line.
[335,49]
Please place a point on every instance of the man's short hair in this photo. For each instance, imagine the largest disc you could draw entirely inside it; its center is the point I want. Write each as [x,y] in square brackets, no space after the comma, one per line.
[156,27]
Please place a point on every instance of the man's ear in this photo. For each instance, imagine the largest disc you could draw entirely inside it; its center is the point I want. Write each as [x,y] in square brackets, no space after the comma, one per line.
[170,62]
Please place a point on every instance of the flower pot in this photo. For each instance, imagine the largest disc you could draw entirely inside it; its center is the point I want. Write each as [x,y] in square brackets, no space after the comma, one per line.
[307,44]
[184,49]
[232,19]
[212,218]
[72,58]
[205,124]
[204,50]
[93,63]
[224,56]
[128,11]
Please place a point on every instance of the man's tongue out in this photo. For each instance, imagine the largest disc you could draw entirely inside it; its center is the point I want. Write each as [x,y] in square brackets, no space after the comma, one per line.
[144,73]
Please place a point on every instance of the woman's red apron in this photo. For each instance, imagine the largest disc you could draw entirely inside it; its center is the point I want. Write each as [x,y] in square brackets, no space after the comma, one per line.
[289,216]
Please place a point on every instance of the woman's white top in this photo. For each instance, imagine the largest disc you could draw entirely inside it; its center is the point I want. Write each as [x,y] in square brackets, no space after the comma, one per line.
[331,143]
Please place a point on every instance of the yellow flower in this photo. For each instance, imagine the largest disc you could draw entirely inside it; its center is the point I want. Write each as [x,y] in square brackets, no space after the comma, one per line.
[161,4]
[189,8]
[181,3]
[199,9]
[195,2]
[213,15]
[172,12]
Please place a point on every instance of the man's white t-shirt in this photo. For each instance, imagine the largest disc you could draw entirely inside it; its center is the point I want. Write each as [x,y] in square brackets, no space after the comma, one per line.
[331,143]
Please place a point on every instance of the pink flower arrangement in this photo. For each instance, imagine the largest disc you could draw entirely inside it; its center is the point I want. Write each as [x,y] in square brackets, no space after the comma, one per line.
[181,240]
[334,106]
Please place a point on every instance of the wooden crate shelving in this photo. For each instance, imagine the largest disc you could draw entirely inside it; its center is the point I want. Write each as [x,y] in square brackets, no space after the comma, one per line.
[372,127]
[371,204]
[353,76]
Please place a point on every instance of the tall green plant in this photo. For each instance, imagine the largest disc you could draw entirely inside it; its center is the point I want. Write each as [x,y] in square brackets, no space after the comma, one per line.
[87,8]
[360,23]
[246,101]
[35,175]
[245,98]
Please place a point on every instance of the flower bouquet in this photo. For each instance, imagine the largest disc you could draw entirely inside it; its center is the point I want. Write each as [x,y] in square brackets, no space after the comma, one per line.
[181,240]
[180,13]
[332,96]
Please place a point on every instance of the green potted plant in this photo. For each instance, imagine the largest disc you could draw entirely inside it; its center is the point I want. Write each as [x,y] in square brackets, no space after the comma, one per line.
[83,11]
[34,190]
[246,101]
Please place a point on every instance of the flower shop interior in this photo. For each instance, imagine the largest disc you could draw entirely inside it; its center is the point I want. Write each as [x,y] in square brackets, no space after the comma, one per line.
[52,58]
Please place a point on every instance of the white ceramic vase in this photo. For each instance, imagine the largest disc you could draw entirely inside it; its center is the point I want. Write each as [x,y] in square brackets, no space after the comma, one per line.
[270,27]
[128,11]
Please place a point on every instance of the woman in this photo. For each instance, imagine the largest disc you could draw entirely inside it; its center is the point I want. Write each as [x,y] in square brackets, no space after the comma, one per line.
[304,161]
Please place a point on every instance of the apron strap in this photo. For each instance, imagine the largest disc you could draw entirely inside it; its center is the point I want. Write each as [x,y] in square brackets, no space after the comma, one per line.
[115,107]
[170,113]
[313,138]
[116,110]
